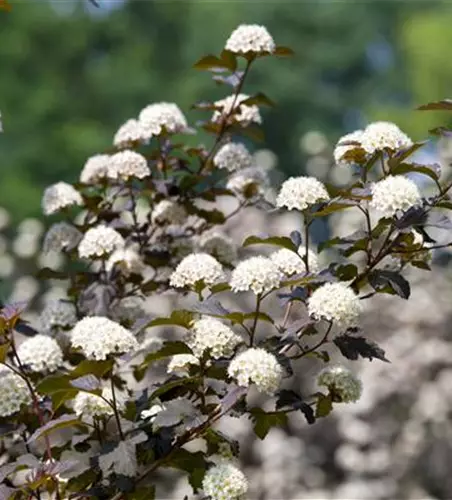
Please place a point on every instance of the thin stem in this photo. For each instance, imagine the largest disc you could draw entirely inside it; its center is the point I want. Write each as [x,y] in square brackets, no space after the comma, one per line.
[307,223]
[316,346]
[134,216]
[115,409]
[365,211]
[256,319]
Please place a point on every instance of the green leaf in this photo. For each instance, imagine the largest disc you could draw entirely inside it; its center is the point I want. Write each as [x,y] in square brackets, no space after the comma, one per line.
[229,60]
[280,241]
[324,406]
[193,463]
[142,493]
[50,274]
[259,99]
[92,367]
[180,382]
[331,208]
[380,279]
[433,171]
[281,51]
[4,351]
[181,318]
[220,287]
[211,62]
[352,347]
[264,421]
[444,105]
[53,425]
[290,399]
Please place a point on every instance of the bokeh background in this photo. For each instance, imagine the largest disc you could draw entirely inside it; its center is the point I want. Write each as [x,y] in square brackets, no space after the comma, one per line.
[71,74]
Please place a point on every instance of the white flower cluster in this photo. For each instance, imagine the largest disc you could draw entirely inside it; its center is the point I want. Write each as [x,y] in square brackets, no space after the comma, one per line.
[342,147]
[58,196]
[394,193]
[160,116]
[301,192]
[95,169]
[128,134]
[180,363]
[57,314]
[40,353]
[98,337]
[168,212]
[91,405]
[219,245]
[211,334]
[250,38]
[195,268]
[249,183]
[256,366]
[335,302]
[100,241]
[127,164]
[127,260]
[384,135]
[290,263]
[225,482]
[14,392]
[342,383]
[258,274]
[61,236]
[233,156]
[231,106]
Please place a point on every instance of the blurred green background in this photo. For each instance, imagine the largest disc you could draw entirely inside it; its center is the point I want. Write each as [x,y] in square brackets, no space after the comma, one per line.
[71,74]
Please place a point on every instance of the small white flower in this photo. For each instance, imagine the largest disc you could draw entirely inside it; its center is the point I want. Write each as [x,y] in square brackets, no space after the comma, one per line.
[95,169]
[258,274]
[57,314]
[219,245]
[98,337]
[14,392]
[233,156]
[168,212]
[384,135]
[342,383]
[180,363]
[128,164]
[100,241]
[249,184]
[160,116]
[342,147]
[394,193]
[225,482]
[211,334]
[127,260]
[250,38]
[91,405]
[61,236]
[290,263]
[41,354]
[335,302]
[301,192]
[242,113]
[58,196]
[256,366]
[129,133]
[196,268]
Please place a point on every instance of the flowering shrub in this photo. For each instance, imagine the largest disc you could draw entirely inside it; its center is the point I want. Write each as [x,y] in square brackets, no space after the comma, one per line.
[91,407]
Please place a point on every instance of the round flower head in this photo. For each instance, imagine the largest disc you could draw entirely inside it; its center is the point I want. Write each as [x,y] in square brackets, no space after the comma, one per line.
[219,245]
[258,274]
[196,268]
[384,135]
[128,134]
[290,263]
[394,193]
[335,302]
[342,147]
[168,212]
[57,314]
[14,392]
[250,38]
[211,334]
[127,260]
[242,113]
[61,236]
[92,405]
[233,156]
[40,354]
[156,118]
[301,192]
[58,196]
[100,241]
[180,363]
[127,164]
[342,383]
[98,337]
[95,169]
[249,183]
[256,366]
[225,482]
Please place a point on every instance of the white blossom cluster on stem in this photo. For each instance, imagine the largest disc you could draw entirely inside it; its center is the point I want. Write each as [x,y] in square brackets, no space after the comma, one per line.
[250,38]
[197,268]
[225,482]
[258,274]
[394,193]
[341,382]
[233,156]
[232,106]
[59,196]
[128,164]
[384,135]
[96,168]
[57,314]
[100,241]
[162,116]
[40,353]
[129,133]
[61,236]
[14,393]
[290,263]
[300,193]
